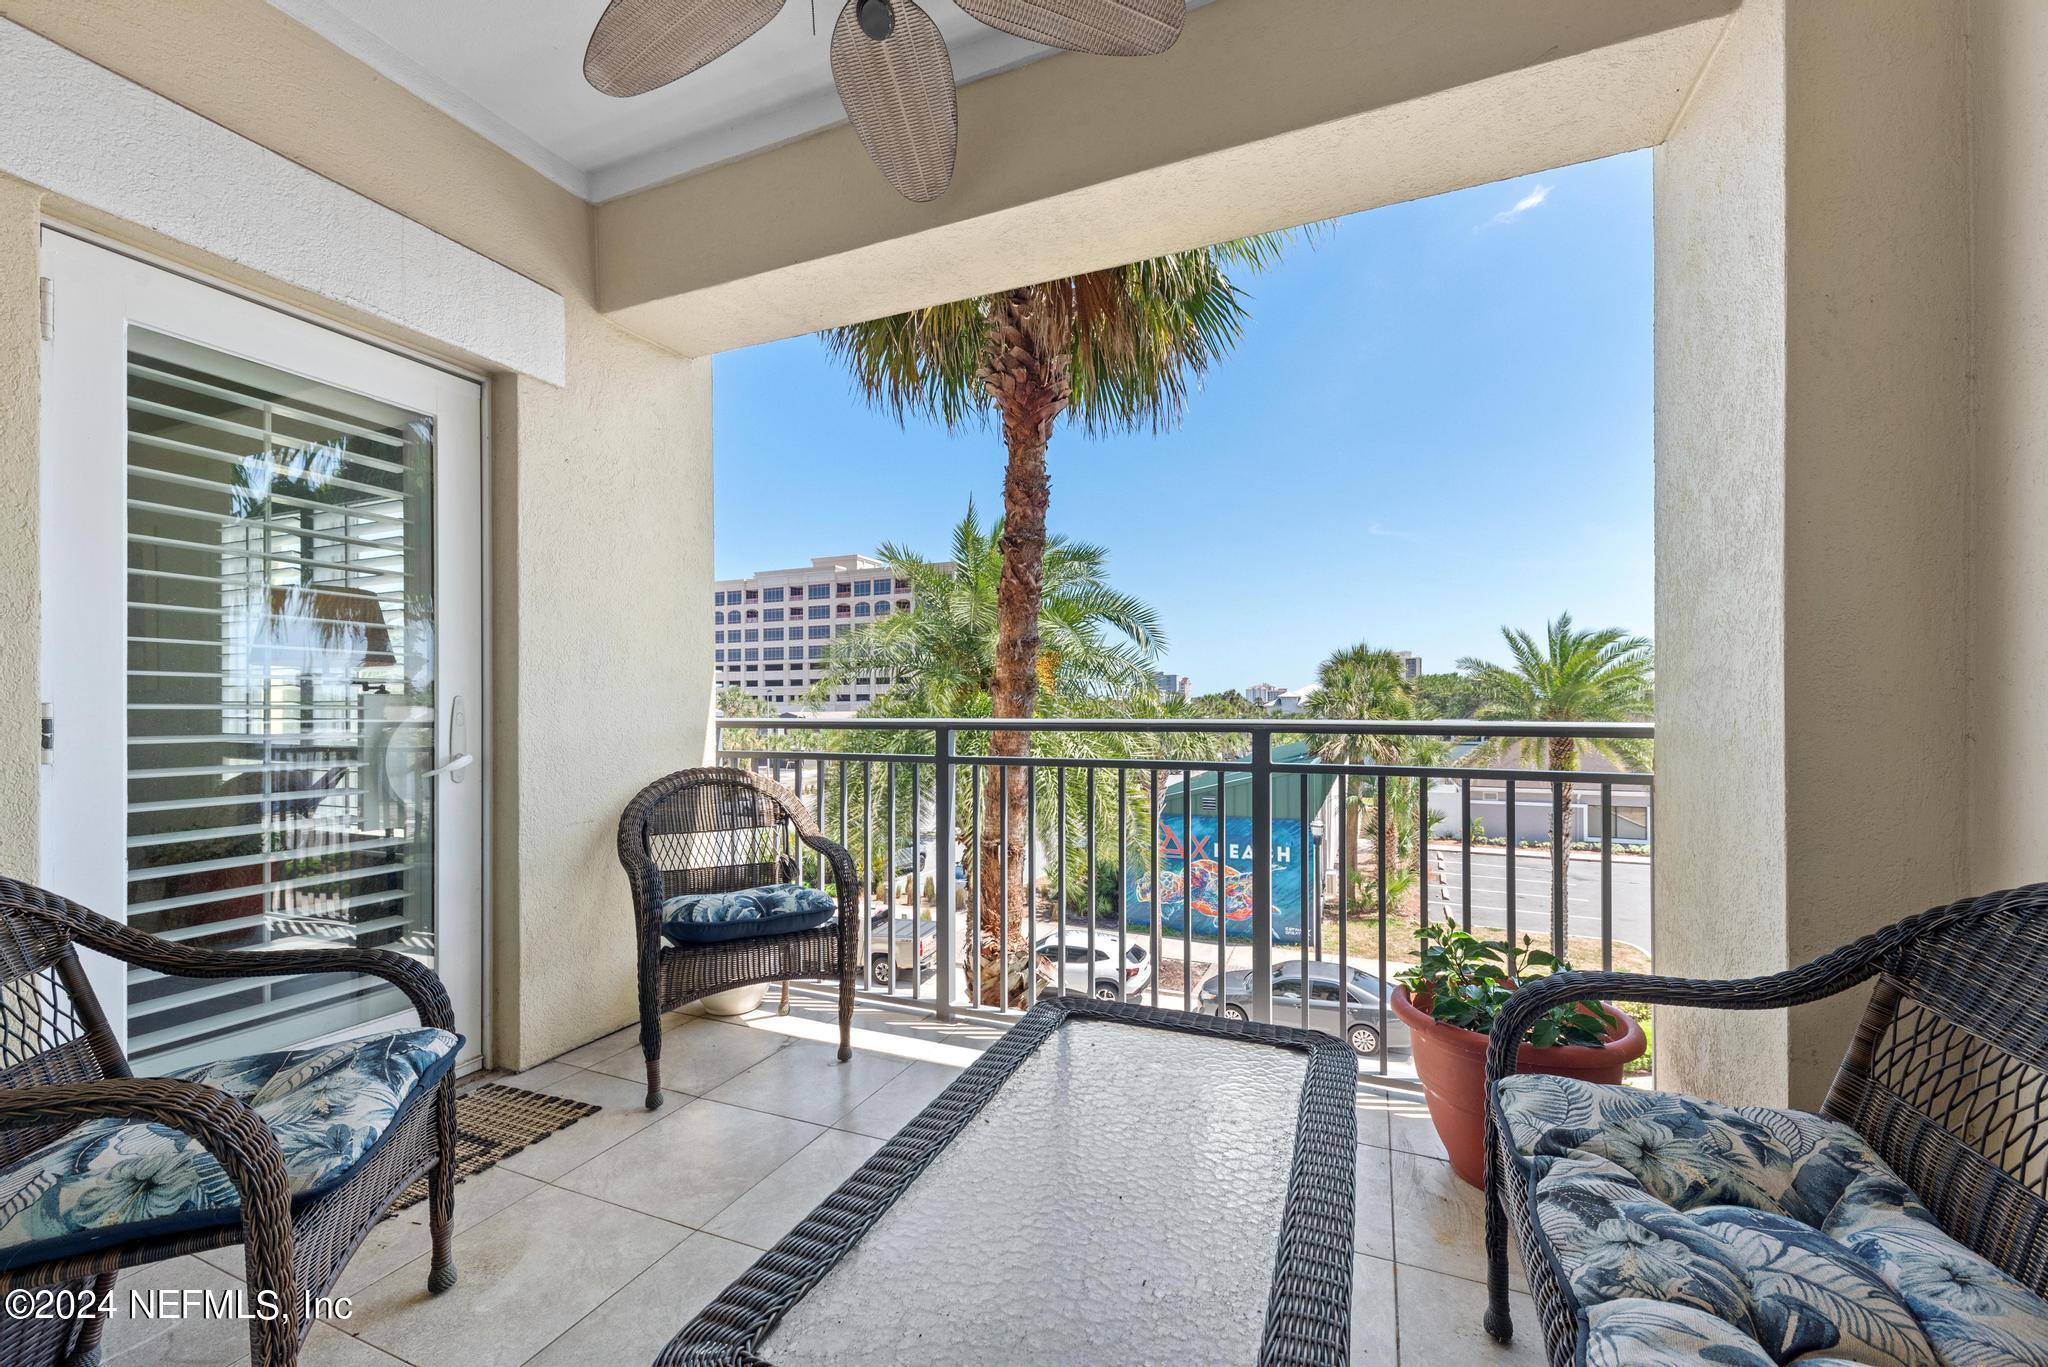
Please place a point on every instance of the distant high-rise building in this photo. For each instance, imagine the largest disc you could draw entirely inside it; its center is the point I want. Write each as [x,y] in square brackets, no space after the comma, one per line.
[1265,694]
[1172,685]
[769,631]
[1411,665]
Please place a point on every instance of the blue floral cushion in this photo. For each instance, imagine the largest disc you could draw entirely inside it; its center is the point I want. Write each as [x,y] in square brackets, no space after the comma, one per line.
[109,1181]
[702,918]
[1686,1232]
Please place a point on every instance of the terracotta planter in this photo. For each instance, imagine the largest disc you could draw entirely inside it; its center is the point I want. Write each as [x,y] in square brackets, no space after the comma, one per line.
[1452,1065]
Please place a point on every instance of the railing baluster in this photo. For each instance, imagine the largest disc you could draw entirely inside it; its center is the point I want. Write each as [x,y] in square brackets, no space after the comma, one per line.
[889,888]
[1310,895]
[1030,911]
[1560,855]
[1123,873]
[1465,847]
[1059,899]
[1379,793]
[1606,877]
[1346,850]
[1003,855]
[1187,901]
[1509,934]
[943,840]
[1262,869]
[976,876]
[1152,820]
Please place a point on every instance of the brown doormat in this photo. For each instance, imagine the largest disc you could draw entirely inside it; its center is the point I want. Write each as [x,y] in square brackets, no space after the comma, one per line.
[493,1122]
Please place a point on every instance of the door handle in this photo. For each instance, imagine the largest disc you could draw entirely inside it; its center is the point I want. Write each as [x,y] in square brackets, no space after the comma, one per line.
[458,738]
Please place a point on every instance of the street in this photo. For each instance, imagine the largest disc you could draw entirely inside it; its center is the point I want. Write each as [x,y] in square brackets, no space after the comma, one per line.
[1532,893]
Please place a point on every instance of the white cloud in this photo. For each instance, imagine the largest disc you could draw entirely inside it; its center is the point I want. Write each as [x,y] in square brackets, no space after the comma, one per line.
[1523,205]
[1377,530]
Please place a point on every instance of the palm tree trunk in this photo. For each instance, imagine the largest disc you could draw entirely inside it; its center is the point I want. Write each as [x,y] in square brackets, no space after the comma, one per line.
[1027,371]
[1564,757]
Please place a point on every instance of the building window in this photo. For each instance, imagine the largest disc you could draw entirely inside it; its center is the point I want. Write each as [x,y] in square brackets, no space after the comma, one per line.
[902,605]
[753,633]
[752,596]
[772,634]
[861,588]
[753,654]
[772,653]
[845,611]
[860,609]
[902,586]
[845,627]
[820,611]
[718,619]
[820,633]
[846,697]
[772,615]
[718,655]
[771,595]
[817,652]
[845,590]
[820,591]
[881,609]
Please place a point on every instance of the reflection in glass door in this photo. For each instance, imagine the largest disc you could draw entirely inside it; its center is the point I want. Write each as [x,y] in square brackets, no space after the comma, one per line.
[280,691]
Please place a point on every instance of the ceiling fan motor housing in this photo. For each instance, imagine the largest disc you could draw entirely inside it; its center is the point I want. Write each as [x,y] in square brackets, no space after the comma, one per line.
[877,19]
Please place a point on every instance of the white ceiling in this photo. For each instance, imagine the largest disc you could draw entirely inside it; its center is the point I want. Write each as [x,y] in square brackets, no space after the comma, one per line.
[513,71]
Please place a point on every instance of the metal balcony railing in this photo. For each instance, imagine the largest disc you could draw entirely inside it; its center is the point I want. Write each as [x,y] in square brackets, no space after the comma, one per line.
[1243,860]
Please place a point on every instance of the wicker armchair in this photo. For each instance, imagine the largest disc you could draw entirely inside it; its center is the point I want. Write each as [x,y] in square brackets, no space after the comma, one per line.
[1946,1079]
[60,1065]
[725,830]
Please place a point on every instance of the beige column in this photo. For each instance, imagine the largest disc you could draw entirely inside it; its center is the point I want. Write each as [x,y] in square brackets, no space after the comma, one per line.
[20,471]
[1813,513]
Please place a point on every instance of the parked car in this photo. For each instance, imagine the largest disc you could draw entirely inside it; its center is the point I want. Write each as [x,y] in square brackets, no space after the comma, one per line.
[916,947]
[1358,1024]
[1092,964]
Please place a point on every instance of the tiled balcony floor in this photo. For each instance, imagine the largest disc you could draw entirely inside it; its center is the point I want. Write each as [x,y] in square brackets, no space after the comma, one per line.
[597,1244]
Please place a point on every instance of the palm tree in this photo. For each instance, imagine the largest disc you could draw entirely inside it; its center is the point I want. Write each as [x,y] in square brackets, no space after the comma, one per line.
[1359,683]
[1097,649]
[1120,349]
[1569,676]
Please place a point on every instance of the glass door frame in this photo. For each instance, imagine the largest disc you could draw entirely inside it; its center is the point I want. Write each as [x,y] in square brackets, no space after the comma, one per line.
[101,290]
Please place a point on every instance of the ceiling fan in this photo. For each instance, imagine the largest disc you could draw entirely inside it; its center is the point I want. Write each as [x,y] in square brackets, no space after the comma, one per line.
[889,60]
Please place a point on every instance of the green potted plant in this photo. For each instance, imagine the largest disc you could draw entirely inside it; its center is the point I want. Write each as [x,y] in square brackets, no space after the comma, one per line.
[1450,1000]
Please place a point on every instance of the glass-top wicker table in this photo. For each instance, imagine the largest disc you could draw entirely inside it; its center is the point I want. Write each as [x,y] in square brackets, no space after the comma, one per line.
[1107,1183]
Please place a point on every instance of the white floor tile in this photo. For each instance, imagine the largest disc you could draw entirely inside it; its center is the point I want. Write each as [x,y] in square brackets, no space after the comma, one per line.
[528,1273]
[808,1082]
[636,1323]
[782,1198]
[693,1164]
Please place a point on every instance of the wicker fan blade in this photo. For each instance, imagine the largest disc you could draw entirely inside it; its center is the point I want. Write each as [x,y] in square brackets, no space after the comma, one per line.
[899,93]
[642,45]
[1111,28]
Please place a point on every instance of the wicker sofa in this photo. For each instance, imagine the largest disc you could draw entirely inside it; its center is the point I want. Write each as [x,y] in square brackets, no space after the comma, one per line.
[294,1154]
[1907,1222]
[715,831]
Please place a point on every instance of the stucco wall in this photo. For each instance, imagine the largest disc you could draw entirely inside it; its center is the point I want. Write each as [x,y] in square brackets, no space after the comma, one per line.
[1813,495]
[1877,549]
[2009,619]
[1720,444]
[20,357]
[601,500]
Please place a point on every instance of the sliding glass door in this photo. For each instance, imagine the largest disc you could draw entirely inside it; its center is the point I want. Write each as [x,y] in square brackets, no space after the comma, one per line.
[262,652]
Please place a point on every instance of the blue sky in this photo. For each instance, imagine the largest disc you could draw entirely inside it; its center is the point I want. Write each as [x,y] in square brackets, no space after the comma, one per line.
[1438,421]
